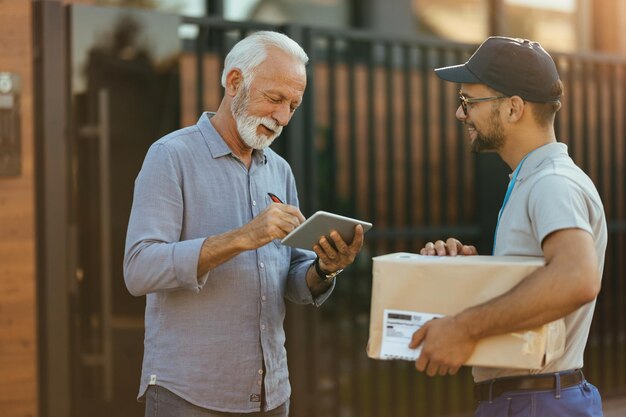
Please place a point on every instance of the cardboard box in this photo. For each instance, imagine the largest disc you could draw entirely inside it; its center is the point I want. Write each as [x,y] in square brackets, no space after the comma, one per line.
[448,285]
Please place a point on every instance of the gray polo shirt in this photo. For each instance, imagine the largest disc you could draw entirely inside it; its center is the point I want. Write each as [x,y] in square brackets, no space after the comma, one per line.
[551,193]
[206,339]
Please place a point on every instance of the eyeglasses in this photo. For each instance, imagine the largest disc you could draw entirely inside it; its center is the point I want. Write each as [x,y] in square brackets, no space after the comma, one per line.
[465,101]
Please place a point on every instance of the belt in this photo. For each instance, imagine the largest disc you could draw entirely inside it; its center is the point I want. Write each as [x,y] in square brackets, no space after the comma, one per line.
[488,390]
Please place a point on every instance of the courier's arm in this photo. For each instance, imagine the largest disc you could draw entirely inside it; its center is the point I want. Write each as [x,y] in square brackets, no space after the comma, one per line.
[569,280]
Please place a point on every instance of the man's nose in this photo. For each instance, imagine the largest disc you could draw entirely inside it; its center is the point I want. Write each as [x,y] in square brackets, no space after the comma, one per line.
[282,114]
[460,114]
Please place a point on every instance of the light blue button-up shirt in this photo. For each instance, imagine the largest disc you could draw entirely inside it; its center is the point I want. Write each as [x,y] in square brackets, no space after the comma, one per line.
[207,337]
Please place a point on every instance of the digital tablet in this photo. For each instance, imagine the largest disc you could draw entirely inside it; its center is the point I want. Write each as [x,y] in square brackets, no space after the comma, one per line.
[321,224]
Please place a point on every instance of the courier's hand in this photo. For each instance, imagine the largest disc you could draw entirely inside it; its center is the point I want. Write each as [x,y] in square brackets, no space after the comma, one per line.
[450,247]
[275,222]
[446,345]
[338,255]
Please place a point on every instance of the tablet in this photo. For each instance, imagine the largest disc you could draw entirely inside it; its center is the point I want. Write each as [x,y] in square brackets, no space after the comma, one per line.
[321,224]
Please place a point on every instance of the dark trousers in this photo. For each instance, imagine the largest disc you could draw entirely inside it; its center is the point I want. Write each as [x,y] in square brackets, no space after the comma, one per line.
[161,402]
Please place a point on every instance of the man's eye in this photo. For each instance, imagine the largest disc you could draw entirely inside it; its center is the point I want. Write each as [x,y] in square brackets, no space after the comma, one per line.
[274,99]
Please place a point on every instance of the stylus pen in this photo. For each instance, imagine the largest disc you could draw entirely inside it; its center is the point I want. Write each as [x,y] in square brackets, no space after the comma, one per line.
[274,198]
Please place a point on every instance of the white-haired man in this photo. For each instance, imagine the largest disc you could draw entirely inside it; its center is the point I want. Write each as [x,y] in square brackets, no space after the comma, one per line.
[203,245]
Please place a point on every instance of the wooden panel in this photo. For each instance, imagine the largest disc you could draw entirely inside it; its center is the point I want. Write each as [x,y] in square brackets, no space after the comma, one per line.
[18,343]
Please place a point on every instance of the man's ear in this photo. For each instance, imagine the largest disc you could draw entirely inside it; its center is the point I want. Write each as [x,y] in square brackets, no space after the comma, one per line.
[234,80]
[516,109]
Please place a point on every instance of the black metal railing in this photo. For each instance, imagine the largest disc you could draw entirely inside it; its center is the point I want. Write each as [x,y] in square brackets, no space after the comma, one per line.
[377,139]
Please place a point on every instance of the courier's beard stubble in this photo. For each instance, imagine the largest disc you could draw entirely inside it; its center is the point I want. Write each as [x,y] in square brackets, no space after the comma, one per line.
[247,125]
[492,140]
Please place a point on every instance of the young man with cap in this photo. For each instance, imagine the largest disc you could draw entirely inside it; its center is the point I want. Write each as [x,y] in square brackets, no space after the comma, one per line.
[510,92]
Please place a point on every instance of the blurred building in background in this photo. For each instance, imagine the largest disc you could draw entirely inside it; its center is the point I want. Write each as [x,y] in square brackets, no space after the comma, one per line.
[560,25]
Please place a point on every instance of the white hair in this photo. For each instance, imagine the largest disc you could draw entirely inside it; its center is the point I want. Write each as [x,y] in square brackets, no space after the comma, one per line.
[251,51]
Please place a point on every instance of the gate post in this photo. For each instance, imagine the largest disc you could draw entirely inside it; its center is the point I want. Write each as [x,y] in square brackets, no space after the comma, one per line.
[52,196]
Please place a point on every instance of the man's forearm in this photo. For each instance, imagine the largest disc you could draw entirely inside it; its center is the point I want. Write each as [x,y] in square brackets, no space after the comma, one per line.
[220,248]
[508,313]
[570,279]
[541,298]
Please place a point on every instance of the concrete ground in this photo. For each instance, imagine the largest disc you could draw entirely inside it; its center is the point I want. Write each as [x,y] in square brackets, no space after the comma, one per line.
[614,407]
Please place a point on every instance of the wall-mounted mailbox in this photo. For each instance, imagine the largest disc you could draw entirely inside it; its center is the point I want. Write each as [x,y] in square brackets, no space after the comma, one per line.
[10,135]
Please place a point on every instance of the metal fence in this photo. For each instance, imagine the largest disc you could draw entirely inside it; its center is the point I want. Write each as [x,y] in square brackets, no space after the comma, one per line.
[376,138]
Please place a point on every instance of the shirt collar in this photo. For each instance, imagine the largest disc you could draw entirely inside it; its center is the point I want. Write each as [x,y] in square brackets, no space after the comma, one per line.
[538,155]
[215,142]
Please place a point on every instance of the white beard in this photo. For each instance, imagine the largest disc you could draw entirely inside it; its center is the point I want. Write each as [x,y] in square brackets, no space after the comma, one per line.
[247,125]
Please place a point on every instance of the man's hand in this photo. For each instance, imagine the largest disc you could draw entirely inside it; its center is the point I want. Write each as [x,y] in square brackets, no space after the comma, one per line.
[339,254]
[275,222]
[450,247]
[446,345]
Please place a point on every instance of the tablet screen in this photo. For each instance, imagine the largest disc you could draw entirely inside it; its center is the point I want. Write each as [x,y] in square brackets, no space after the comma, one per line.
[321,224]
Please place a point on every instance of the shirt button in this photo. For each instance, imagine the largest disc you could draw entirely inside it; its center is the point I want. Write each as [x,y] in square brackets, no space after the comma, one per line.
[260,382]
[263,327]
[260,371]
[262,265]
[254,202]
[263,298]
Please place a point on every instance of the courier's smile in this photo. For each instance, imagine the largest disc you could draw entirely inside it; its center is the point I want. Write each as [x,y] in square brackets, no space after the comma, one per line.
[471,131]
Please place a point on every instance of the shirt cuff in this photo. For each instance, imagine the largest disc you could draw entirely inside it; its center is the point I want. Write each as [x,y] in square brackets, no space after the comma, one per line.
[320,299]
[186,255]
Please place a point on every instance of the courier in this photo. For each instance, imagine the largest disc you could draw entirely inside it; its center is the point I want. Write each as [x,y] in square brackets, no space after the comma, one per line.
[509,94]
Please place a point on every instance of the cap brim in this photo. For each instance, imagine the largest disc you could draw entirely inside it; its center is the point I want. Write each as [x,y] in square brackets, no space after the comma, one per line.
[457,73]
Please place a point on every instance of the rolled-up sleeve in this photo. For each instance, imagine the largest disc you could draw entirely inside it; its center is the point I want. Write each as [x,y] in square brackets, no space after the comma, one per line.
[155,259]
[297,289]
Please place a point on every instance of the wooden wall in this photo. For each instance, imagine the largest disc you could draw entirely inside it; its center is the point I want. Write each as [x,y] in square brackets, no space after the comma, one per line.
[18,347]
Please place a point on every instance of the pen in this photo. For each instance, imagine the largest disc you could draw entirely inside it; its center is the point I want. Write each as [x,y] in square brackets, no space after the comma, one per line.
[274,198]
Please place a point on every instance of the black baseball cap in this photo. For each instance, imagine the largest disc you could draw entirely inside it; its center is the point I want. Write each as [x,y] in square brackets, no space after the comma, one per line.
[514,67]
